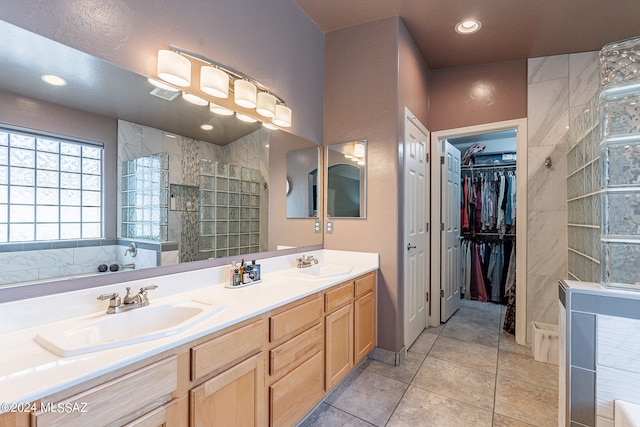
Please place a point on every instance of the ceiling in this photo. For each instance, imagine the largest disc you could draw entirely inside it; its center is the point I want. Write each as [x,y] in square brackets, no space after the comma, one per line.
[511,29]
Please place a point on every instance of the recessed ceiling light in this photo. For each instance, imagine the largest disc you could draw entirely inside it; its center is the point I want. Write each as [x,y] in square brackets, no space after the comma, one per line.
[206,127]
[194,99]
[54,80]
[468,26]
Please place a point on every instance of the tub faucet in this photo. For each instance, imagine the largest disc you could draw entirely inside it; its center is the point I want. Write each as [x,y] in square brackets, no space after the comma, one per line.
[306,261]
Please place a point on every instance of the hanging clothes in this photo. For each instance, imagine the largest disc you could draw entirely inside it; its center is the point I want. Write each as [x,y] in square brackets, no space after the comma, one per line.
[510,314]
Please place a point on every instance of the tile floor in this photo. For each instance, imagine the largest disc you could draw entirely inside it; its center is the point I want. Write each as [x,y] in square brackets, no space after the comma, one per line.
[467,372]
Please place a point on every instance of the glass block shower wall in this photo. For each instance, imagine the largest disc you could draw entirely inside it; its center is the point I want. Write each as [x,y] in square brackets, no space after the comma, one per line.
[620,158]
[229,210]
[145,197]
[583,194]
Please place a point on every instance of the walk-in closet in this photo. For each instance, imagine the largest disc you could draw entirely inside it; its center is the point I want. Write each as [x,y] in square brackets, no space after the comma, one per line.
[487,207]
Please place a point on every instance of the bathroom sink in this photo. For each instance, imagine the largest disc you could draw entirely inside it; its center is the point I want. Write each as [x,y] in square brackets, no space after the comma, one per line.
[116,330]
[321,271]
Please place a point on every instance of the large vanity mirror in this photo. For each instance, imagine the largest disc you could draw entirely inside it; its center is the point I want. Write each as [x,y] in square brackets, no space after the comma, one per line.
[180,190]
[347,180]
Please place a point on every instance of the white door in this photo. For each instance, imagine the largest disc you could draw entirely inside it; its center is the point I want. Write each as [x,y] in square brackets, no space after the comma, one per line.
[416,235]
[450,275]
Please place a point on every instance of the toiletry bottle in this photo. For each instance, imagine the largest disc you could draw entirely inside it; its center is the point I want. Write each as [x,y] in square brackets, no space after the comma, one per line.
[231,271]
[241,271]
[245,274]
[255,268]
[236,278]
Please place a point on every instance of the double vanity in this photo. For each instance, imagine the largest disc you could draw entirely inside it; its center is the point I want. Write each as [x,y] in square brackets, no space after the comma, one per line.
[198,354]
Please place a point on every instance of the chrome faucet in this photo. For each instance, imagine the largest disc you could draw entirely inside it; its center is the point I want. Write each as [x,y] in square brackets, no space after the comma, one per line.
[305,261]
[118,305]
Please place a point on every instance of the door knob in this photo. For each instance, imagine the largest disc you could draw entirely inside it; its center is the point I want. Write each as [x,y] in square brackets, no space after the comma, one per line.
[410,246]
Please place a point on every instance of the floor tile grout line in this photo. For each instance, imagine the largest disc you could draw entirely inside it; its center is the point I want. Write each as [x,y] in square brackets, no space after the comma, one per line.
[350,414]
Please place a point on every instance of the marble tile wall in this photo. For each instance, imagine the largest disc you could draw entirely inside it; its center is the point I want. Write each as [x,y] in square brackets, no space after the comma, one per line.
[559,87]
[28,266]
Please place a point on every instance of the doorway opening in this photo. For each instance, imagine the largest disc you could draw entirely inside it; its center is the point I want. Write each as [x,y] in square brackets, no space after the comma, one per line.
[480,202]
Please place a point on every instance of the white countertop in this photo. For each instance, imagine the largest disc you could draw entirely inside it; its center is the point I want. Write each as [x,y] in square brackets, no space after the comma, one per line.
[29,372]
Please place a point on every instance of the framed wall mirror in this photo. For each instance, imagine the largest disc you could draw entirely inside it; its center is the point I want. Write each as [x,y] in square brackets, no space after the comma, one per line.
[347,180]
[302,183]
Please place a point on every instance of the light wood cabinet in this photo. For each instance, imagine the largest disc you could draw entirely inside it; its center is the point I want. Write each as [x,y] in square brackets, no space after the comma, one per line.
[296,393]
[227,349]
[164,416]
[295,380]
[338,345]
[122,399]
[232,398]
[364,326]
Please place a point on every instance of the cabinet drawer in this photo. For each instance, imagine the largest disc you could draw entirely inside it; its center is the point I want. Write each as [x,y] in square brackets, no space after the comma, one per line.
[225,350]
[365,284]
[164,416]
[337,297]
[295,319]
[116,399]
[297,392]
[295,351]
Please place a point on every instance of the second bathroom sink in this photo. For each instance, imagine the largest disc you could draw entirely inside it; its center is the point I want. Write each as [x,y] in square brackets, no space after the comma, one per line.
[321,271]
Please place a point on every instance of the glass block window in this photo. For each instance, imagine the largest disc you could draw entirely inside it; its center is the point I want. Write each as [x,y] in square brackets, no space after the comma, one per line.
[50,188]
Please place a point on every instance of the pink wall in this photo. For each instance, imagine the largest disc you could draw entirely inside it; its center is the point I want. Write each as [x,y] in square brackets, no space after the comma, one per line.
[49,118]
[272,41]
[478,94]
[365,94]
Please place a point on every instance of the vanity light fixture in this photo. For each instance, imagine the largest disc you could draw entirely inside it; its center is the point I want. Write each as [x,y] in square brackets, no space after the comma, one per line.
[269,126]
[245,118]
[194,99]
[53,80]
[245,93]
[266,104]
[206,127]
[174,68]
[468,26]
[358,149]
[282,116]
[214,81]
[221,111]
[360,162]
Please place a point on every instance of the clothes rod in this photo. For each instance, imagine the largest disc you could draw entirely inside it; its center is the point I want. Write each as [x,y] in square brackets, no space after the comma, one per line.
[495,166]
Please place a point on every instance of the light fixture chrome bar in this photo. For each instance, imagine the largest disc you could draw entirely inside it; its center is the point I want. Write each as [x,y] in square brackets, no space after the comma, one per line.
[235,74]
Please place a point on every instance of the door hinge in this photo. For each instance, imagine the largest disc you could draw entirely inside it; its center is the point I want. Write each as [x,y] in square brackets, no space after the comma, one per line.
[427,296]
[442,160]
[441,293]
[442,226]
[427,227]
[427,161]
